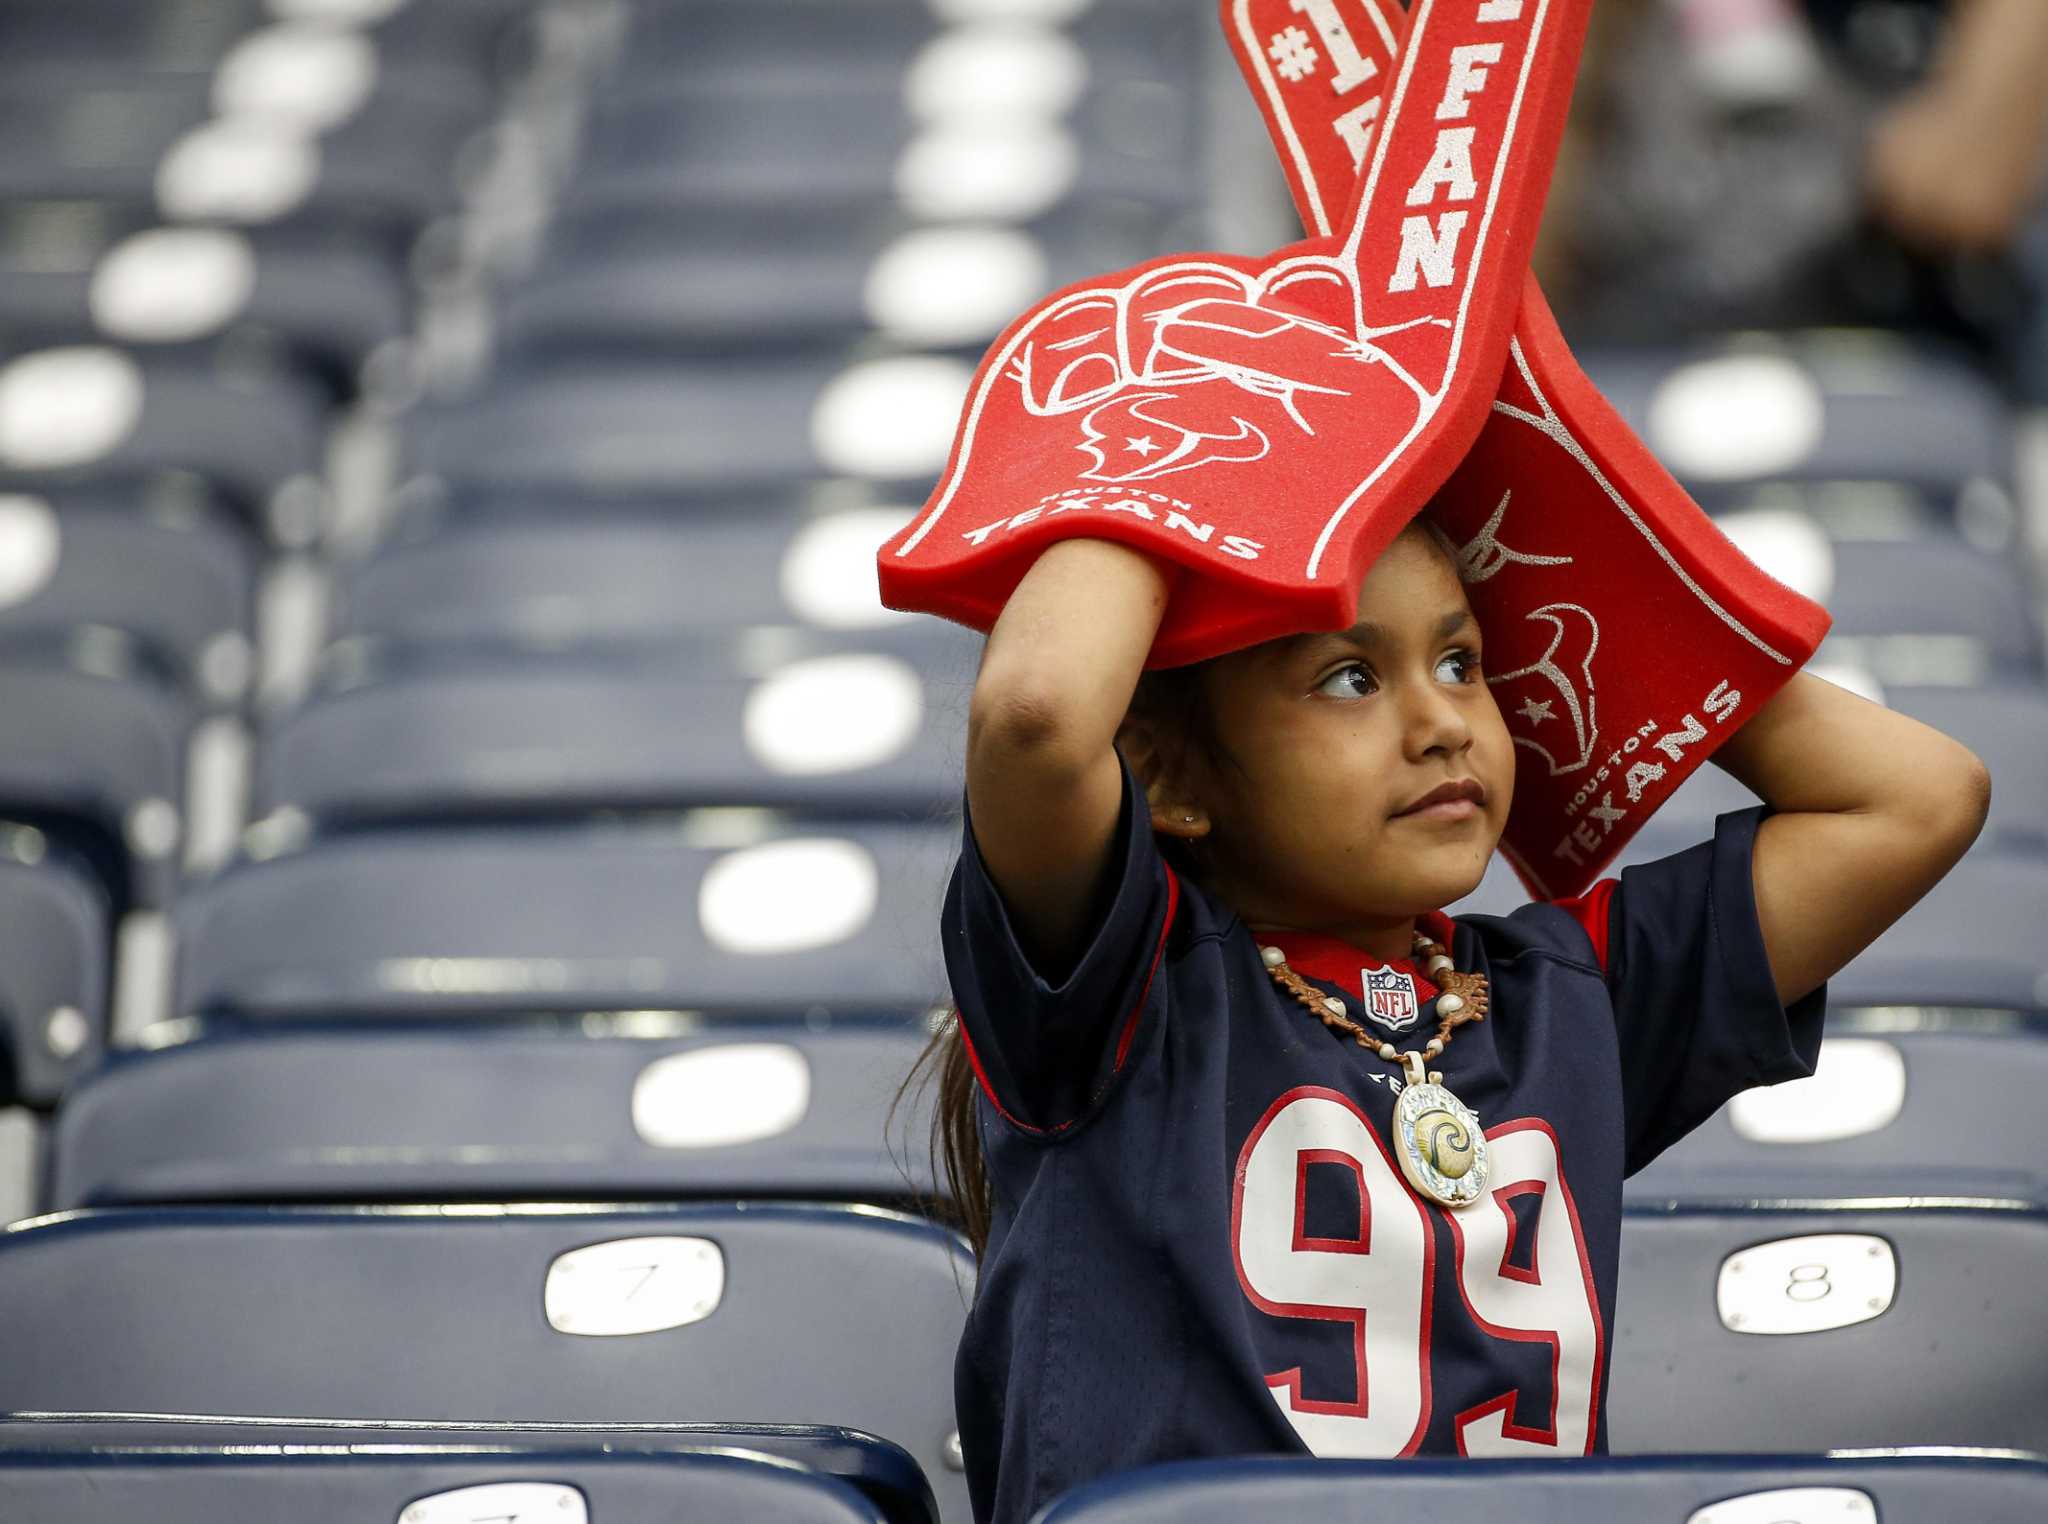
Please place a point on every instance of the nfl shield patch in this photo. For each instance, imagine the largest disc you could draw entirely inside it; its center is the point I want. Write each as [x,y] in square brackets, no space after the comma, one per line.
[1390,998]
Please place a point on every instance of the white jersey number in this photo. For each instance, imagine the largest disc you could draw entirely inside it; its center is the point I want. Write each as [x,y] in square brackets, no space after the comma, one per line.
[1378,1284]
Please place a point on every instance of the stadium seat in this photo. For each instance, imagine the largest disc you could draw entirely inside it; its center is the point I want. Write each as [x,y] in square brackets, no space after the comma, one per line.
[56,939]
[46,38]
[422,1485]
[170,571]
[637,428]
[119,417]
[73,270]
[21,1163]
[748,1313]
[1808,1327]
[486,573]
[696,281]
[382,171]
[1819,407]
[658,1109]
[1876,1121]
[568,919]
[1985,1489]
[880,1472]
[102,755]
[1975,940]
[789,719]
[1893,599]
[708,42]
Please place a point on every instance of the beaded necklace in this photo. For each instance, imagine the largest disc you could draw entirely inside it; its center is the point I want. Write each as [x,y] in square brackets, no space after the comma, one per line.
[1442,1147]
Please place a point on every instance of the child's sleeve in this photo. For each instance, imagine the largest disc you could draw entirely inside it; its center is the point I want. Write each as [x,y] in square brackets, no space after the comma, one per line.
[1048,1045]
[1695,1006]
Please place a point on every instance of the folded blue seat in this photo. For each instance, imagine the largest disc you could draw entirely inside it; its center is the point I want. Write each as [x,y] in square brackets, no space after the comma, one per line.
[809,721]
[728,913]
[423,1485]
[881,1473]
[56,945]
[652,1109]
[565,571]
[169,570]
[1809,1326]
[1762,1489]
[603,1316]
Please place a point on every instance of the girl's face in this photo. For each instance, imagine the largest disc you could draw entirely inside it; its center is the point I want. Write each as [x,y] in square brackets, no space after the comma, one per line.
[1338,736]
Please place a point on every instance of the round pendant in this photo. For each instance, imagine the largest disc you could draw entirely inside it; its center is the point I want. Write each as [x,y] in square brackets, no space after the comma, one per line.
[1441,1146]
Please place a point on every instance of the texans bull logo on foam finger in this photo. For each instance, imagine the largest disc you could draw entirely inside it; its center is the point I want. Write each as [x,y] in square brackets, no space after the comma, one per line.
[1271,424]
[1626,637]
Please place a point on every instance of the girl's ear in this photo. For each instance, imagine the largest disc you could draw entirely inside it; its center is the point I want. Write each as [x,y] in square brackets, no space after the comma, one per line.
[1157,763]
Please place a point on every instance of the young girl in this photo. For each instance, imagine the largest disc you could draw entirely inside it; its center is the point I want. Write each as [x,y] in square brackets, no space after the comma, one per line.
[1197,949]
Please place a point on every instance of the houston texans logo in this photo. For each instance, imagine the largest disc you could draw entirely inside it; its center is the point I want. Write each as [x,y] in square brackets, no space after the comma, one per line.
[1132,439]
[1556,686]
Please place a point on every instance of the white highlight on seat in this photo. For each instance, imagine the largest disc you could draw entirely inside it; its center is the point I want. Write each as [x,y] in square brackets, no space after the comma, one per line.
[301,78]
[828,570]
[1004,170]
[1810,1284]
[31,544]
[1786,545]
[168,285]
[634,1286]
[67,407]
[739,1092]
[954,285]
[788,896]
[995,69]
[551,1502]
[833,714]
[1737,416]
[1791,1505]
[1050,12]
[890,418]
[237,169]
[1858,1087]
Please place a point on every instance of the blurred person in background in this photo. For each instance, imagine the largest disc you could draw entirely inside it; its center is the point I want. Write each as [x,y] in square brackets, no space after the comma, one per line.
[1778,163]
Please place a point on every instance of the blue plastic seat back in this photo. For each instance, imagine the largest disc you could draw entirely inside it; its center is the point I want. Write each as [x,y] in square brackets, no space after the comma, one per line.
[822,724]
[752,1314]
[1877,1120]
[1739,1490]
[501,1114]
[424,1486]
[776,915]
[1775,1329]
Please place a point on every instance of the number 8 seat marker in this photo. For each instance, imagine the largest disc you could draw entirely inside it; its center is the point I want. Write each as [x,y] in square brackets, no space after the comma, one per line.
[1381,1284]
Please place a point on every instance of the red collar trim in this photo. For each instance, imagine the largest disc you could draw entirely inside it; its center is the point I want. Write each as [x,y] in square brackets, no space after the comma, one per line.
[1335,961]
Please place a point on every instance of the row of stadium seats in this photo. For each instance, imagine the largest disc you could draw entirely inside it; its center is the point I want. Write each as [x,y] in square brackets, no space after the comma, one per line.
[471,839]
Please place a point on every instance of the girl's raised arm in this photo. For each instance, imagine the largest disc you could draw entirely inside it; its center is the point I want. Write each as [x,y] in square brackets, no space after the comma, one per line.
[1044,785]
[1872,808]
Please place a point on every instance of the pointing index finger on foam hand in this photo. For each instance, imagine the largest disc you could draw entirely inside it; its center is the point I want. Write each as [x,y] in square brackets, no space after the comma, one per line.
[1319,72]
[1439,233]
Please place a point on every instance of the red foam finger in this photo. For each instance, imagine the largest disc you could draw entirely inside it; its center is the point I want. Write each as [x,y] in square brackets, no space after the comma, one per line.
[1271,424]
[1626,638]
[1318,72]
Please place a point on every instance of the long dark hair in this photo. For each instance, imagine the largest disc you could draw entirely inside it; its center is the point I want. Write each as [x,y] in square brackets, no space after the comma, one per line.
[1175,701]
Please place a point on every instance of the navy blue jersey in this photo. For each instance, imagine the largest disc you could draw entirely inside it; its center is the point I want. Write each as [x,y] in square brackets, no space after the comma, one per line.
[1202,1244]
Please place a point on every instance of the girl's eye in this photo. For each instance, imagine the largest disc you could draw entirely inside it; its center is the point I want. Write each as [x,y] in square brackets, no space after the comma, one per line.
[1365,683]
[1467,663]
